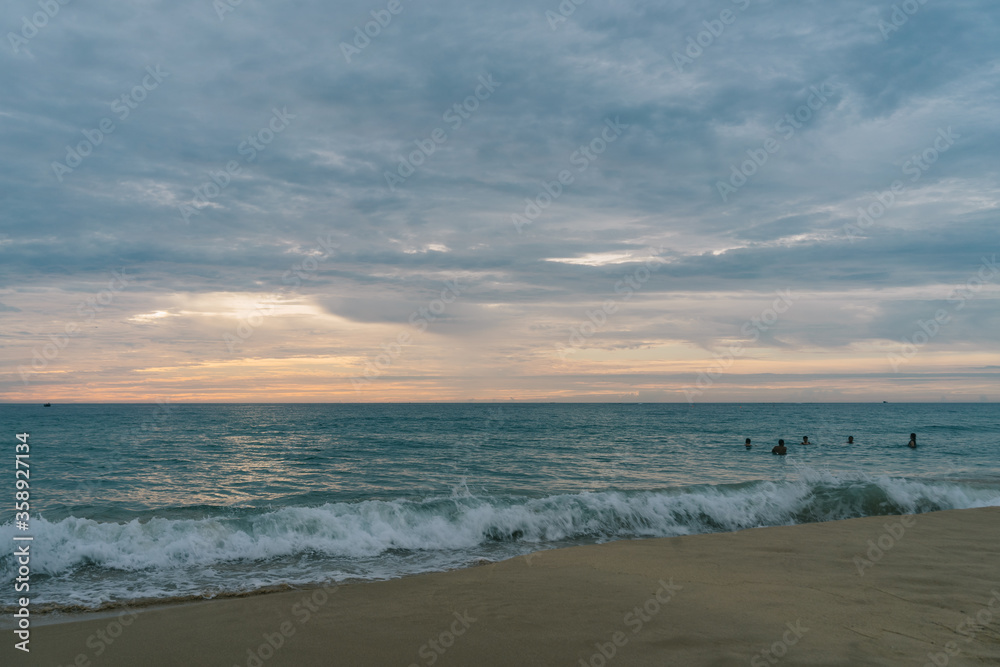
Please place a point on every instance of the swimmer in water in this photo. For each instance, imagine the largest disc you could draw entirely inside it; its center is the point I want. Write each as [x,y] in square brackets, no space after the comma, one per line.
[850,439]
[805,440]
[780,448]
[912,444]
[748,443]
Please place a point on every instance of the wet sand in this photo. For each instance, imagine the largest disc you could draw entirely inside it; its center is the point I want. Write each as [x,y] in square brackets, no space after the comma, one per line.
[914,590]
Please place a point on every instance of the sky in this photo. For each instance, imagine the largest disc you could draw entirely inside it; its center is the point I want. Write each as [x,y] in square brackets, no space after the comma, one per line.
[382,200]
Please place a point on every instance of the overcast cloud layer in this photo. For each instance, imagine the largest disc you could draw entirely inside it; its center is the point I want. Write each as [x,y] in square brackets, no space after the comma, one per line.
[259,201]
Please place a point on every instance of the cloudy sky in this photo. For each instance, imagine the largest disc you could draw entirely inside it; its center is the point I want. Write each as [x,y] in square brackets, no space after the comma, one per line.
[372,200]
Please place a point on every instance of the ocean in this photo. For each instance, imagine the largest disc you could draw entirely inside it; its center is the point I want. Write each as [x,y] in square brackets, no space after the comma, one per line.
[147,503]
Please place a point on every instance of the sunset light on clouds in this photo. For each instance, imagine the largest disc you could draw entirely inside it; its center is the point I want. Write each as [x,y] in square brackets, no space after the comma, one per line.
[486,203]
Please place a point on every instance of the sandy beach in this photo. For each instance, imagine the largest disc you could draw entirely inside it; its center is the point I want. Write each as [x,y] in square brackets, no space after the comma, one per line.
[913,590]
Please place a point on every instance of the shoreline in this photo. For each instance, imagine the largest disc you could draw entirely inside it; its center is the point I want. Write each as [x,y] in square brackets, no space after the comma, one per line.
[875,590]
[51,613]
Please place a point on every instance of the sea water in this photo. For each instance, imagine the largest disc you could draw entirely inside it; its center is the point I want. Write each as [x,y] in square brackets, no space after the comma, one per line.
[156,502]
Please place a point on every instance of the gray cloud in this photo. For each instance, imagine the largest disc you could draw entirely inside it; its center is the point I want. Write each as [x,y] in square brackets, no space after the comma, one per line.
[321,180]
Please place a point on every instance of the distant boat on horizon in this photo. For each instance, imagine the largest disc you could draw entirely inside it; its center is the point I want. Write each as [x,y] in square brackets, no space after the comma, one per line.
[46,405]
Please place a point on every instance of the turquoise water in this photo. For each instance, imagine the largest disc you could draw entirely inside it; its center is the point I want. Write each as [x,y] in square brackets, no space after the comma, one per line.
[143,501]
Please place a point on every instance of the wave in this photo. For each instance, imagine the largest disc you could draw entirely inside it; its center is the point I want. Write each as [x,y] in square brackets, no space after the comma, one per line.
[439,532]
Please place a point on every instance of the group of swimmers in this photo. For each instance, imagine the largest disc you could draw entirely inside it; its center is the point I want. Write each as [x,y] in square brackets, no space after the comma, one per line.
[781,450]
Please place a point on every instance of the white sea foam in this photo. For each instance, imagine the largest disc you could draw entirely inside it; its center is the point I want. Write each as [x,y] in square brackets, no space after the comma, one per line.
[388,538]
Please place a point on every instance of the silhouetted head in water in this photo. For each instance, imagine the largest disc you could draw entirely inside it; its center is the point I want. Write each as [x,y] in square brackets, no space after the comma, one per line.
[850,439]
[912,444]
[748,443]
